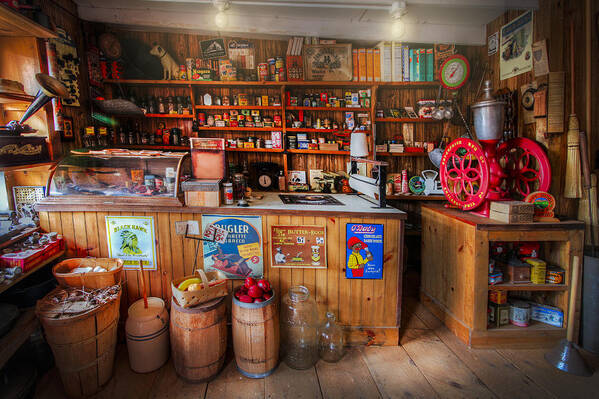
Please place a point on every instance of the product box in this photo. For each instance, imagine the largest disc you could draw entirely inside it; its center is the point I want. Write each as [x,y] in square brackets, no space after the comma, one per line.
[511,218]
[396,148]
[362,64]
[498,297]
[499,315]
[538,270]
[377,65]
[369,65]
[512,207]
[547,314]
[277,139]
[381,148]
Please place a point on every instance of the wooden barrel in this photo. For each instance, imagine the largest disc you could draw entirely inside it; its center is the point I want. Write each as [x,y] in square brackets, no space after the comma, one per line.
[256,337]
[84,347]
[198,339]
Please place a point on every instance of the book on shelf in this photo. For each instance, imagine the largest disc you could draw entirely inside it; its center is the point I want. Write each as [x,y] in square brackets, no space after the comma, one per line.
[356,75]
[377,65]
[421,65]
[429,65]
[362,64]
[405,66]
[385,61]
[397,68]
[369,65]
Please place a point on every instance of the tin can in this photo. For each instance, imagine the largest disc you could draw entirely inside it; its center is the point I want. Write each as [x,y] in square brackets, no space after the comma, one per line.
[243,99]
[263,71]
[520,313]
[228,193]
[202,118]
[498,297]
[555,275]
[149,181]
[189,64]
[404,181]
[259,143]
[397,184]
[182,72]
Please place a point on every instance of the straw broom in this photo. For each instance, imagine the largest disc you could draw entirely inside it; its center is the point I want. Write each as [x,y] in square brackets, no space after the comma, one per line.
[573,180]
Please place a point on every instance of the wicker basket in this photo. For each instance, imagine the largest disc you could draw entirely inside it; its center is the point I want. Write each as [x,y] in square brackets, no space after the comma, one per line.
[93,280]
[216,289]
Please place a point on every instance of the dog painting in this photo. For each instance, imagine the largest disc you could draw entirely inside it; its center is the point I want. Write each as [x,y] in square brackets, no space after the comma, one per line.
[170,69]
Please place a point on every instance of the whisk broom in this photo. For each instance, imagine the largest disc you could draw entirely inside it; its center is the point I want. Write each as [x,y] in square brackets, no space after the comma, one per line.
[573,179]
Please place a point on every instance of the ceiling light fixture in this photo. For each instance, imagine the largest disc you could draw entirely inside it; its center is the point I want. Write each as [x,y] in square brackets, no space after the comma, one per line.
[397,10]
[221,19]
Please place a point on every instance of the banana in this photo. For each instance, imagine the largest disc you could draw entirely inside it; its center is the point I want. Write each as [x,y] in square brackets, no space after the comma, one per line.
[186,283]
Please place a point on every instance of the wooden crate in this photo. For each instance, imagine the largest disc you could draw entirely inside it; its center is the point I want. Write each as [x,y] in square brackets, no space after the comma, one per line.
[455,285]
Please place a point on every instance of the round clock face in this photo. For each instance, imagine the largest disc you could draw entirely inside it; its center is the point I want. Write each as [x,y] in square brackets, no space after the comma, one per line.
[265,181]
[454,72]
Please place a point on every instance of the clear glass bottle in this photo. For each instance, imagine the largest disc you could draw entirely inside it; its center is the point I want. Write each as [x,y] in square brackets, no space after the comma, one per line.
[330,340]
[299,329]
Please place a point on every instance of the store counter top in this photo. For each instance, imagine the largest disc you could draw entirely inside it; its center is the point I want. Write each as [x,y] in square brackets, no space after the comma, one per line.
[316,204]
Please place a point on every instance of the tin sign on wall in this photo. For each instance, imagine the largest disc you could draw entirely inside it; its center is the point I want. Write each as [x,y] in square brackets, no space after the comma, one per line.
[298,246]
[132,238]
[240,255]
[364,251]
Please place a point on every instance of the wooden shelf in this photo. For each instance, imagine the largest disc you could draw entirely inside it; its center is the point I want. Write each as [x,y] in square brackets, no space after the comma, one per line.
[4,287]
[297,108]
[311,130]
[408,120]
[264,107]
[25,325]
[534,326]
[28,166]
[274,84]
[528,287]
[170,116]
[14,98]
[402,154]
[15,24]
[254,150]
[414,197]
[242,129]
[318,152]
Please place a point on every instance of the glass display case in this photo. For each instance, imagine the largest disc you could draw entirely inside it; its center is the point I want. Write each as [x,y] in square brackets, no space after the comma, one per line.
[135,177]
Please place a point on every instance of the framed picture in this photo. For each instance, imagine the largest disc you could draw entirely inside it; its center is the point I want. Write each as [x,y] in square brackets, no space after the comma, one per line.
[132,239]
[328,62]
[67,133]
[298,246]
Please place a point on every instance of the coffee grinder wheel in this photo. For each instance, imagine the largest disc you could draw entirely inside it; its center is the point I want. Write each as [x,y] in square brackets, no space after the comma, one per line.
[526,165]
[464,173]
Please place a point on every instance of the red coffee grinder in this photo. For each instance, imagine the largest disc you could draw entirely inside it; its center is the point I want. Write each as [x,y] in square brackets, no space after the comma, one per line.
[474,173]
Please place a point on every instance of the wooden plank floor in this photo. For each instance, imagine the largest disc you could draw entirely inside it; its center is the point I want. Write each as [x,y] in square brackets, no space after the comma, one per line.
[430,363]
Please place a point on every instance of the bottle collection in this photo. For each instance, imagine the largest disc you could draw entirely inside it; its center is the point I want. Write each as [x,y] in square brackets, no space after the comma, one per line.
[167,105]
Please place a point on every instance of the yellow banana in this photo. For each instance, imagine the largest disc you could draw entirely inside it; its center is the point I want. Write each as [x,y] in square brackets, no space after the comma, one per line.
[186,283]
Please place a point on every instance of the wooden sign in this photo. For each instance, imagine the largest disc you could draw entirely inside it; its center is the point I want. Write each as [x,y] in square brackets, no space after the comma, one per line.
[298,247]
[328,62]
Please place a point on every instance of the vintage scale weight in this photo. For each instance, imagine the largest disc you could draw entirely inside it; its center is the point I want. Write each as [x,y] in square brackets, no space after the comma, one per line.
[474,174]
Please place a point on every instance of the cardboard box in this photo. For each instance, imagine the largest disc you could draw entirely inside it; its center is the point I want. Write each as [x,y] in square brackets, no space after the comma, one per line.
[498,297]
[499,315]
[546,314]
[202,192]
[512,207]
[511,218]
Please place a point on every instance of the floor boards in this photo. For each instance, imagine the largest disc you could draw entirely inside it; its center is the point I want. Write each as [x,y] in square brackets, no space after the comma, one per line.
[430,363]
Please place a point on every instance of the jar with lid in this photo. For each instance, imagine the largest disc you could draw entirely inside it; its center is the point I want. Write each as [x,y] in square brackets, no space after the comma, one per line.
[239,186]
[330,340]
[299,329]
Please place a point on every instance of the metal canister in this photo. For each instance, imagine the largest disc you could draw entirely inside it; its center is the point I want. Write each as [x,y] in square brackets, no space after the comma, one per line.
[228,193]
[243,99]
[202,118]
[259,143]
[182,72]
[555,275]
[272,68]
[520,313]
[263,71]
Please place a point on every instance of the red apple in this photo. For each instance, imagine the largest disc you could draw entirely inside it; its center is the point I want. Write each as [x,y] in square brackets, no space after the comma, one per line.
[249,282]
[258,300]
[255,292]
[246,298]
[237,294]
[267,295]
[264,284]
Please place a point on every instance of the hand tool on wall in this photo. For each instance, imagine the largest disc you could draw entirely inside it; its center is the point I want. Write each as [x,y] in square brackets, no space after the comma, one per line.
[573,186]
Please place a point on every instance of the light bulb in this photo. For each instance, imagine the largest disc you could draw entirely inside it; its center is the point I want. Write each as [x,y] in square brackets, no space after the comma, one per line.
[398,28]
[221,20]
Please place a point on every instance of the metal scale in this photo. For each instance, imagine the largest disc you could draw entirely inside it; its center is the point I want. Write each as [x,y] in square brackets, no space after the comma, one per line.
[475,173]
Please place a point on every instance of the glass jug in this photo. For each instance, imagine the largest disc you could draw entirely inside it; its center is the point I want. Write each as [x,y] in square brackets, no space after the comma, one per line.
[299,329]
[330,341]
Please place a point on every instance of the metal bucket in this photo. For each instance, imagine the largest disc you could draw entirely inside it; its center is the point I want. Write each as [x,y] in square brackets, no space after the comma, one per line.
[590,305]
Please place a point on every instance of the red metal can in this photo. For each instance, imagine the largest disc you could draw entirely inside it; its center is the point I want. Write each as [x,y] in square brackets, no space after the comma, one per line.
[263,71]
[202,118]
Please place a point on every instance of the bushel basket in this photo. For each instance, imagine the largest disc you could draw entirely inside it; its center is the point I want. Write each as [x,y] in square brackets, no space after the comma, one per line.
[214,285]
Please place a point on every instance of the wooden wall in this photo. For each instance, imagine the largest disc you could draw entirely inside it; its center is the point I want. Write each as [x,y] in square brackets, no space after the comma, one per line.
[552,22]
[372,303]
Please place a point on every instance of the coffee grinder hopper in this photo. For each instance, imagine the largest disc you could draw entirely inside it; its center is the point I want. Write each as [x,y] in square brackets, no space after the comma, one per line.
[488,115]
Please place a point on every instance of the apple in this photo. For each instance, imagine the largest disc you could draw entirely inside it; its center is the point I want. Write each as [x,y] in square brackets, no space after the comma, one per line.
[249,282]
[258,300]
[245,298]
[267,295]
[238,293]
[255,292]
[264,284]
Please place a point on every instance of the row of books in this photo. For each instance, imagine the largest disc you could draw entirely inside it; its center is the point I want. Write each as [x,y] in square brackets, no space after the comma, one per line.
[393,62]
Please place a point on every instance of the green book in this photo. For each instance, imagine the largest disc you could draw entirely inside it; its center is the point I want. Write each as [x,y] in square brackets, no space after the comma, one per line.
[421,65]
[430,69]
[412,64]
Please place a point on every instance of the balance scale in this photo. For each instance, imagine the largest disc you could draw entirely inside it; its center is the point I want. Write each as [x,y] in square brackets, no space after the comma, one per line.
[472,174]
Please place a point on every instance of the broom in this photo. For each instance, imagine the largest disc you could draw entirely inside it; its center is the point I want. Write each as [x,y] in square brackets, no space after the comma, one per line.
[573,188]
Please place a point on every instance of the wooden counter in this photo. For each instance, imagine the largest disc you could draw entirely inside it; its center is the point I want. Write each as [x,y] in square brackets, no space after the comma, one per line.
[455,264]
[369,308]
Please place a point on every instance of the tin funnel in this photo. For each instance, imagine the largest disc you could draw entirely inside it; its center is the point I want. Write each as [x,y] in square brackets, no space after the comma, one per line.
[566,357]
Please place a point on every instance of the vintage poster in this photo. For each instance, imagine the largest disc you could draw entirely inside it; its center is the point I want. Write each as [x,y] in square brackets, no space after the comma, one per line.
[132,238]
[516,46]
[328,62]
[364,252]
[492,43]
[298,246]
[213,49]
[240,255]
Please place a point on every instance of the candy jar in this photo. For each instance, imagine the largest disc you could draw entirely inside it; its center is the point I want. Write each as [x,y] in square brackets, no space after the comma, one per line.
[330,340]
[299,329]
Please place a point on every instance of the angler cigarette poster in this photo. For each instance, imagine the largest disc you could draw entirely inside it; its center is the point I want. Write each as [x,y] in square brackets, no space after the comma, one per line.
[298,246]
[516,46]
[132,238]
[240,255]
[364,251]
